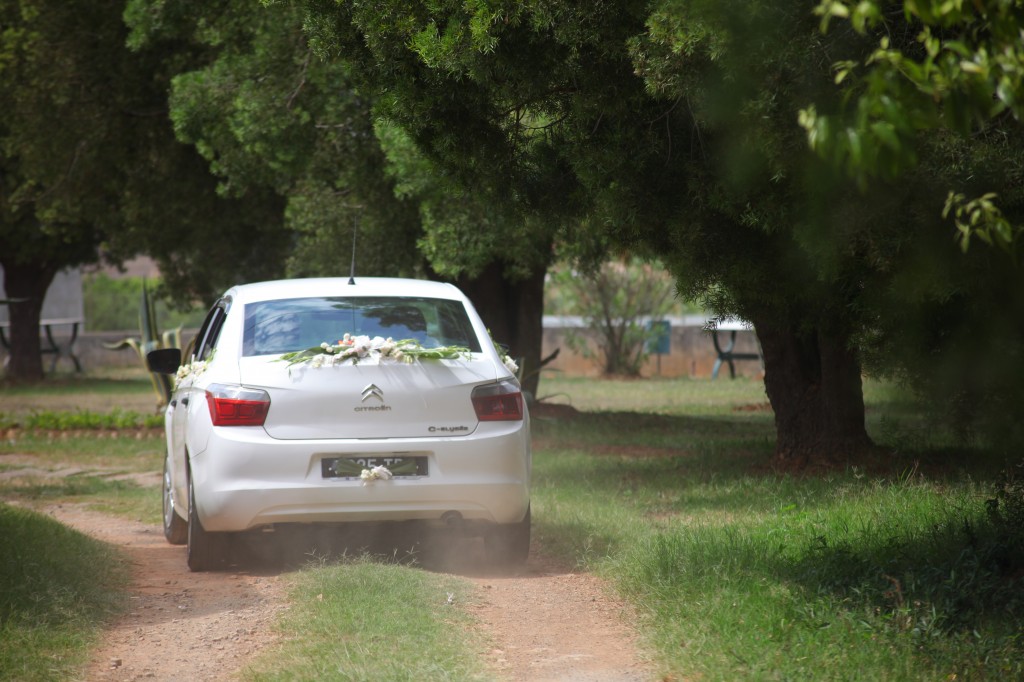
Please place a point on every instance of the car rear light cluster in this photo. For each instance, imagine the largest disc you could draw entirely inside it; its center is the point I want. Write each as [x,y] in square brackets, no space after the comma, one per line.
[237,405]
[498,402]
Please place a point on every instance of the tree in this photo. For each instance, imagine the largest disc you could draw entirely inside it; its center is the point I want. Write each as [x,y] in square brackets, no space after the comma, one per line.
[269,115]
[616,300]
[610,123]
[54,63]
[934,99]
[88,167]
[500,259]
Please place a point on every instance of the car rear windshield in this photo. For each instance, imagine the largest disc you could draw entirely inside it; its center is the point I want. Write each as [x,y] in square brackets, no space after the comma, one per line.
[286,325]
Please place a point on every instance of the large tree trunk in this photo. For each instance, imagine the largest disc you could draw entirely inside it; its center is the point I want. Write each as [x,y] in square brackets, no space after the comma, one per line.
[514,312]
[27,282]
[814,384]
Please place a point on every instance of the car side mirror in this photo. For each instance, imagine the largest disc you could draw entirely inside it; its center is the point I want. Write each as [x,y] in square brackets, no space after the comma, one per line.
[164,360]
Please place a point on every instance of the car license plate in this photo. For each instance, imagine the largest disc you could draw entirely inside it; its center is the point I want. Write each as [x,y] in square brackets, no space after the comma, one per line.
[352,467]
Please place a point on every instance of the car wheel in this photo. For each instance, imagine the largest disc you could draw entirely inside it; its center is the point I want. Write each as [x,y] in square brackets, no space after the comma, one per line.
[509,544]
[175,527]
[205,549]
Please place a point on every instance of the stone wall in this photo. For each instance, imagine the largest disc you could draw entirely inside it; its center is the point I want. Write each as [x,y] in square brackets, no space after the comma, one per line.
[691,352]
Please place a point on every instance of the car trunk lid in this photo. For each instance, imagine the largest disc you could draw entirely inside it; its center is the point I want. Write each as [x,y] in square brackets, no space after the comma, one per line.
[371,399]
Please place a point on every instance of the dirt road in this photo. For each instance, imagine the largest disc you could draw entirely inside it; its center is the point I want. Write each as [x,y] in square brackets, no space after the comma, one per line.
[543,624]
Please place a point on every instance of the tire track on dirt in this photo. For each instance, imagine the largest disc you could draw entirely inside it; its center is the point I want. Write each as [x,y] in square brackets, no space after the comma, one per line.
[542,623]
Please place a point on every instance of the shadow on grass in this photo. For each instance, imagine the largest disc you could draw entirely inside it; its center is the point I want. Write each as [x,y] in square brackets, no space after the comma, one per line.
[948,580]
[709,508]
[639,430]
[961,576]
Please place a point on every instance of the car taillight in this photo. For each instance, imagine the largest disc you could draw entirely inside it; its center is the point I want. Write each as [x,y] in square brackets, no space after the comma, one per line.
[237,406]
[498,402]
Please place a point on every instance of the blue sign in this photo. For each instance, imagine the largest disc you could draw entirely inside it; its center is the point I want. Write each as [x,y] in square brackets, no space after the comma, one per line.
[659,337]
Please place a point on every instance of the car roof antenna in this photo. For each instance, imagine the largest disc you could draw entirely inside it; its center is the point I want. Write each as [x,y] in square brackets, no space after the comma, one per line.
[355,229]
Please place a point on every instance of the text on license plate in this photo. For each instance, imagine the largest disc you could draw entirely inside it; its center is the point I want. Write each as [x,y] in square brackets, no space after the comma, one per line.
[352,467]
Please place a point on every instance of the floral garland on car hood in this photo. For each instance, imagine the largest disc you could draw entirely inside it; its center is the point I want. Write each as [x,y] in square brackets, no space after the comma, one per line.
[356,348]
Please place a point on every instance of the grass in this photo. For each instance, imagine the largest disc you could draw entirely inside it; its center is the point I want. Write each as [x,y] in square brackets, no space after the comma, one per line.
[79,438]
[84,434]
[57,590]
[663,487]
[129,390]
[106,471]
[365,619]
[741,573]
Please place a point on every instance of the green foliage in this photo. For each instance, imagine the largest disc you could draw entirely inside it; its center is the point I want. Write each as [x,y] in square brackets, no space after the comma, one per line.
[937,66]
[111,304]
[615,301]
[981,219]
[463,231]
[268,115]
[57,589]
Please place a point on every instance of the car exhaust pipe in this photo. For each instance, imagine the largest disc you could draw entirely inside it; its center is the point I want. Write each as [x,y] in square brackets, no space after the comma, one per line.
[452,519]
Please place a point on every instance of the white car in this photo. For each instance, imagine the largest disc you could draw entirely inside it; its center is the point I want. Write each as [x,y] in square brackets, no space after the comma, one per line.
[327,401]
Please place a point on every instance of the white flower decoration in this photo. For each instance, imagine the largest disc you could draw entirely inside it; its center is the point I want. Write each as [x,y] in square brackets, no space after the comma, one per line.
[190,371]
[377,473]
[510,364]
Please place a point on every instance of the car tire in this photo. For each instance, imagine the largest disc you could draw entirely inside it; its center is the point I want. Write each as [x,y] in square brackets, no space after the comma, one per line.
[509,544]
[205,550]
[175,527]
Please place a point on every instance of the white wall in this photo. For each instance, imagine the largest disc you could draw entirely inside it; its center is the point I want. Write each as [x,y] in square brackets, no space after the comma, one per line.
[63,298]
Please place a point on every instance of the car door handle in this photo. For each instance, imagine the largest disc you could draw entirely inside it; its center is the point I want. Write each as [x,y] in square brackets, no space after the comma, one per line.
[174,402]
[184,401]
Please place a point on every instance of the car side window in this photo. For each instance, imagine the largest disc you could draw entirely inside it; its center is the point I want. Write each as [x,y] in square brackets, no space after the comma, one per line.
[206,340]
[205,350]
[197,340]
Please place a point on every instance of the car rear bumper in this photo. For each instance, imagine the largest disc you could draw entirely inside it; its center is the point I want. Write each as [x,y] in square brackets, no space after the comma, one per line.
[244,479]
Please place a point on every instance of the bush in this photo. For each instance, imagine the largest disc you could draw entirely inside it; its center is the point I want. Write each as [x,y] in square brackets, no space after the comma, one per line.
[615,301]
[113,305]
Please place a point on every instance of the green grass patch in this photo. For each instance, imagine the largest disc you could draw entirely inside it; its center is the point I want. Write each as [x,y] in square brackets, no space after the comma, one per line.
[121,390]
[109,495]
[366,620]
[741,573]
[112,384]
[112,474]
[658,396]
[123,451]
[57,589]
[81,420]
